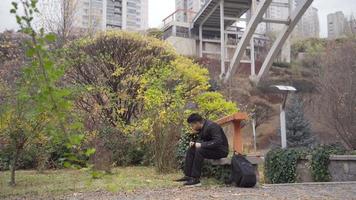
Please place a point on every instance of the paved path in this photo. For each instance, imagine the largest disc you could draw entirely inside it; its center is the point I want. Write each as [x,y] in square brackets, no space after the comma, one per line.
[325,191]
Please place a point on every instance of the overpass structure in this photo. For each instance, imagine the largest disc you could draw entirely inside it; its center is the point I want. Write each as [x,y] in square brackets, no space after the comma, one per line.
[217,23]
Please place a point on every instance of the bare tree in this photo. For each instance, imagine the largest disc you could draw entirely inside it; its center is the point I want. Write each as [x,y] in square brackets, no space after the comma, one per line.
[350,27]
[59,16]
[261,110]
[337,86]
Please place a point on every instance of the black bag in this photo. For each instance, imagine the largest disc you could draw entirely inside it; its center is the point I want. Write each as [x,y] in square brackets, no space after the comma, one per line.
[243,172]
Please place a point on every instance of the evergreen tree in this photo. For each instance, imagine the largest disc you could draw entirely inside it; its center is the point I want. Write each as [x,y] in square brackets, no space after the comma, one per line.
[298,128]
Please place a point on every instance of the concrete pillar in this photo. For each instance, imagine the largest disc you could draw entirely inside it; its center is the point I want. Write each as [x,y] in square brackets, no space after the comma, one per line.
[254,134]
[201,41]
[252,42]
[222,38]
[174,30]
[283,128]
[286,49]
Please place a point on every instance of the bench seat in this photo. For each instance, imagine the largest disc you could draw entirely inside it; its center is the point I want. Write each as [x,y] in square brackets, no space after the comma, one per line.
[254,160]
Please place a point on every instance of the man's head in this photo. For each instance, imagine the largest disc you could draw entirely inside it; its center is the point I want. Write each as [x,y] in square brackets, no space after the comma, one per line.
[196,121]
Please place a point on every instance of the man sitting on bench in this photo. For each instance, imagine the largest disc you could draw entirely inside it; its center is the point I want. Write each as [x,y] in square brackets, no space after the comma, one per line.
[212,144]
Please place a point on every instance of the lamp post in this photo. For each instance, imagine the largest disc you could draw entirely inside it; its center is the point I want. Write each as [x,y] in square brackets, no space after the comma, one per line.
[284,90]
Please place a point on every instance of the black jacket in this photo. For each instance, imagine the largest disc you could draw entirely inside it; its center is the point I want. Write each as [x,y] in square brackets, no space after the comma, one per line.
[212,136]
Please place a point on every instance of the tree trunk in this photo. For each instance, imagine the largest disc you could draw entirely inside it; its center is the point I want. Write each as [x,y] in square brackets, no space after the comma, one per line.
[13,167]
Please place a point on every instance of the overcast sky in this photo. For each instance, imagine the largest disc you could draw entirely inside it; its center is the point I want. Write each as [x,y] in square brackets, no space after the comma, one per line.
[159,9]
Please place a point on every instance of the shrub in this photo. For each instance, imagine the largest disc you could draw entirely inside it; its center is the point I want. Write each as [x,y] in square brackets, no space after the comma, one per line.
[111,66]
[219,172]
[282,64]
[280,164]
[320,161]
[183,147]
[118,69]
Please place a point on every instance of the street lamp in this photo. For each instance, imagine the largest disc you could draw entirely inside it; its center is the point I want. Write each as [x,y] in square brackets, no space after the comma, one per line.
[284,90]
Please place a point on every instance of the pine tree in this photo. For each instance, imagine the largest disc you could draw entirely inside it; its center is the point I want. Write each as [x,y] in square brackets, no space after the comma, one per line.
[298,128]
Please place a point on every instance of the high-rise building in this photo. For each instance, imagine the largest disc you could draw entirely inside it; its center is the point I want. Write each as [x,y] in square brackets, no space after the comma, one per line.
[186,7]
[121,14]
[103,14]
[336,25]
[90,14]
[276,12]
[136,14]
[308,26]
[114,14]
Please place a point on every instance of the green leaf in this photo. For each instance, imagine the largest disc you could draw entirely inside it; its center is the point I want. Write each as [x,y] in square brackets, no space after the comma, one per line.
[14,4]
[33,3]
[12,11]
[30,52]
[76,139]
[48,64]
[90,88]
[90,152]
[41,31]
[50,37]
[66,164]
[18,19]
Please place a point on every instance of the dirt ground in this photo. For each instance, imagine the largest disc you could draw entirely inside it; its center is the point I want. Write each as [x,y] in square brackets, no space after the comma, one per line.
[328,191]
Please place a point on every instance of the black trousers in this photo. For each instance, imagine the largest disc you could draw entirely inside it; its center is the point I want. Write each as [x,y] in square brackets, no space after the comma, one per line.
[195,157]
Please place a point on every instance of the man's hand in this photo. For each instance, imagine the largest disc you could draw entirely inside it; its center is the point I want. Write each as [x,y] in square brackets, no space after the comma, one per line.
[194,131]
[191,144]
[197,145]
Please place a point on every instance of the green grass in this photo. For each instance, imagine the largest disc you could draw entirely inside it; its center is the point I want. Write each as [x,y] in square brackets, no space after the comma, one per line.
[61,182]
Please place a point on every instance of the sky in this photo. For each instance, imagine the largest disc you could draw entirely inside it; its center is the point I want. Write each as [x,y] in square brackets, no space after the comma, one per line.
[159,9]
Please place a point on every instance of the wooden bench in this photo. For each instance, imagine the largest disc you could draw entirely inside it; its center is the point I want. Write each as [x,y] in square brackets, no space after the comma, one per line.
[232,128]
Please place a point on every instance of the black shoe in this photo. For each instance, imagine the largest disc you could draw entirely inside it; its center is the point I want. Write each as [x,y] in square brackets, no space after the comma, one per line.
[184,179]
[193,182]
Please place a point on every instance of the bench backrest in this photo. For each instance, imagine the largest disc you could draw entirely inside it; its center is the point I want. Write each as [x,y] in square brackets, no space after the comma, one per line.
[232,128]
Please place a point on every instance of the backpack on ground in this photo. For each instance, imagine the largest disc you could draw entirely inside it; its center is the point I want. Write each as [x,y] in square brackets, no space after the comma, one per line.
[242,172]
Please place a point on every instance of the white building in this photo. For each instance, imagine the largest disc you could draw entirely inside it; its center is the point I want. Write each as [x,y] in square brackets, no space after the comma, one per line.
[193,6]
[136,15]
[336,25]
[276,12]
[308,26]
[102,14]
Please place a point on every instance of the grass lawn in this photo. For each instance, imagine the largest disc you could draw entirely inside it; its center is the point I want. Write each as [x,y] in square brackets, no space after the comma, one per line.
[59,182]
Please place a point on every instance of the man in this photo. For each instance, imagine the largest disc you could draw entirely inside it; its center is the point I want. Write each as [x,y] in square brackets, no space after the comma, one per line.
[212,144]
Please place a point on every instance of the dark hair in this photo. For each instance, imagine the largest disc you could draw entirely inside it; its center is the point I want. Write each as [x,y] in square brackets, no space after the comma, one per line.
[195,117]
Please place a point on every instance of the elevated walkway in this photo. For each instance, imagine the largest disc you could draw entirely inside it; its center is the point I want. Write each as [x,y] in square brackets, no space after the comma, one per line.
[216,32]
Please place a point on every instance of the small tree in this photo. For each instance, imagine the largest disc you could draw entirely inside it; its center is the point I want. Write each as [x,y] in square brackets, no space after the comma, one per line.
[261,110]
[155,32]
[336,85]
[37,109]
[298,128]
